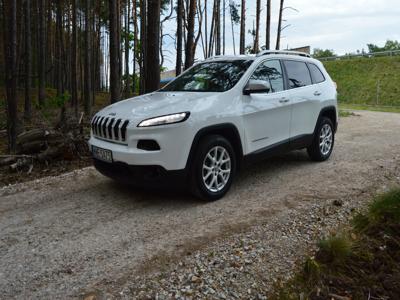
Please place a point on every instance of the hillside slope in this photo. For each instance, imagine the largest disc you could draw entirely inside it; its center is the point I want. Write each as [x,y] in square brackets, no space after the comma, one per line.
[358,80]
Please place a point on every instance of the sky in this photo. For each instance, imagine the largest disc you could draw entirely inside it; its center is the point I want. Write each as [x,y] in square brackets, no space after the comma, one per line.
[341,25]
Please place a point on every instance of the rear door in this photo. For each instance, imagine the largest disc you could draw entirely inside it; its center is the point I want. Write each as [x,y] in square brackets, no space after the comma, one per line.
[266,116]
[305,99]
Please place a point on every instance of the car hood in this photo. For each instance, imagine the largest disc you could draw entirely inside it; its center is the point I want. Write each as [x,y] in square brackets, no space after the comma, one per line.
[156,104]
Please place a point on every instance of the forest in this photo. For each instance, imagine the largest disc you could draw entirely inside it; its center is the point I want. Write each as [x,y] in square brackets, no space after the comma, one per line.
[66,53]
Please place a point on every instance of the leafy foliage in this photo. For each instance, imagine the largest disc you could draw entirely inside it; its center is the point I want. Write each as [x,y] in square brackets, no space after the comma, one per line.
[320,53]
[57,101]
[390,45]
[234,11]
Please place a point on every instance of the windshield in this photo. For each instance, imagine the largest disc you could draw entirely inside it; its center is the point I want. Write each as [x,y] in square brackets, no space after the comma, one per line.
[217,76]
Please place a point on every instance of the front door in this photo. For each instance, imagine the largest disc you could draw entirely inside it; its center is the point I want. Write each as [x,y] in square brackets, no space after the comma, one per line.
[266,116]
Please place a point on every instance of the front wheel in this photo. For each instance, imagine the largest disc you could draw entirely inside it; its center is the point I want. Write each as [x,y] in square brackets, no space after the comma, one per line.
[213,169]
[323,142]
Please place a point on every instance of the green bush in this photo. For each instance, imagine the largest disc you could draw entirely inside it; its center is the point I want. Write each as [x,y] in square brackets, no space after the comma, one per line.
[334,249]
[383,210]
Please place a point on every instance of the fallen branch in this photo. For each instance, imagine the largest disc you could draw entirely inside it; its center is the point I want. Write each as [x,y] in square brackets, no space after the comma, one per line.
[15,155]
[32,135]
[22,162]
[8,161]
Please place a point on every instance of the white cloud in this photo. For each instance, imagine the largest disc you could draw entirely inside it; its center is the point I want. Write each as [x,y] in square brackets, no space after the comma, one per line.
[341,25]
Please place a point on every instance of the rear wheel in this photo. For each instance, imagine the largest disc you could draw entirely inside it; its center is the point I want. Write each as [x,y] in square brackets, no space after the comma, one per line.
[213,169]
[324,140]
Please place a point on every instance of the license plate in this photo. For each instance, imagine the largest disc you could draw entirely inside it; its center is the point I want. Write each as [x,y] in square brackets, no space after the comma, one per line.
[102,154]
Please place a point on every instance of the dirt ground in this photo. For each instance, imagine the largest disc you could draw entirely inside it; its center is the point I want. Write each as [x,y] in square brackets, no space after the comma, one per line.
[60,236]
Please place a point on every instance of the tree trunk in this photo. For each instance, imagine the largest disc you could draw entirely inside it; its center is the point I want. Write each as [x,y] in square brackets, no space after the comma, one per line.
[189,57]
[42,58]
[74,65]
[51,79]
[59,49]
[93,39]
[212,30]
[223,26]
[179,9]
[28,62]
[218,29]
[10,52]
[233,32]
[278,37]
[88,59]
[143,41]
[268,27]
[152,60]
[115,80]
[98,72]
[243,28]
[127,41]
[119,43]
[135,41]
[256,47]
[206,27]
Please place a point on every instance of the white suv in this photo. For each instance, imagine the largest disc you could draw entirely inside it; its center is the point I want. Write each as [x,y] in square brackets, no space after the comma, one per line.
[200,128]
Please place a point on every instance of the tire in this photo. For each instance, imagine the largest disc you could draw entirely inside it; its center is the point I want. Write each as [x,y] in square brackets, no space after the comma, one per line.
[210,179]
[323,141]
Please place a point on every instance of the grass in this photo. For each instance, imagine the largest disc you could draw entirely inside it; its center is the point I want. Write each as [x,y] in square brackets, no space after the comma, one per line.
[344,113]
[347,106]
[361,263]
[372,81]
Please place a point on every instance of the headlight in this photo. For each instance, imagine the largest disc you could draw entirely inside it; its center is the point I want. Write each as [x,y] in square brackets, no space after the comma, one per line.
[163,120]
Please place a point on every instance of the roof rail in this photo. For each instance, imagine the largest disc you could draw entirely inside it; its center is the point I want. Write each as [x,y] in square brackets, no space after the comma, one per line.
[285,52]
[229,56]
[214,57]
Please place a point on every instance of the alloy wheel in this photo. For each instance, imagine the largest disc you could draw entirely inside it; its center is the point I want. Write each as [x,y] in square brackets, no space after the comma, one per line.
[216,169]
[326,139]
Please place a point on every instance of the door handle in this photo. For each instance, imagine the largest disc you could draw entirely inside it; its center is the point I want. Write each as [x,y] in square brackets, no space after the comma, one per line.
[284,100]
[316,93]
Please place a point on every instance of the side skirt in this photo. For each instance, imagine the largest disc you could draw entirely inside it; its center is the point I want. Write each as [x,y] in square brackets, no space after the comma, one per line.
[296,143]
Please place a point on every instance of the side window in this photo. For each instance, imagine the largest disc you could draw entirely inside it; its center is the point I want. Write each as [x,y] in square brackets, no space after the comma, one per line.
[298,73]
[316,74]
[270,71]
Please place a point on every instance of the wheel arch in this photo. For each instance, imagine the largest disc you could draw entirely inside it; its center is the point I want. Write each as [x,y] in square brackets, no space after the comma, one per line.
[228,131]
[329,112]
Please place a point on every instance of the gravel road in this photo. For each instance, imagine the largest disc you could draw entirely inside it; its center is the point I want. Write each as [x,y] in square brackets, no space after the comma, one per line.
[66,236]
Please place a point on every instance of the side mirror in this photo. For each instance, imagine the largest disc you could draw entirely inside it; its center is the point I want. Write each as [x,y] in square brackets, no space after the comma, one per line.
[256,87]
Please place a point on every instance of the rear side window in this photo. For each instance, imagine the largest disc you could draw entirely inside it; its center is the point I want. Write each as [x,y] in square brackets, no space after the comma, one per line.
[316,74]
[298,74]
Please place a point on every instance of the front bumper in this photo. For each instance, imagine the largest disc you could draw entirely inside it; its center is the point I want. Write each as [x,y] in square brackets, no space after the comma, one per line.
[174,142]
[143,176]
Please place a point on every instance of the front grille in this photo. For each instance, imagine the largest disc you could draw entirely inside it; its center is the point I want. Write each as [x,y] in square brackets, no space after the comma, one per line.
[110,128]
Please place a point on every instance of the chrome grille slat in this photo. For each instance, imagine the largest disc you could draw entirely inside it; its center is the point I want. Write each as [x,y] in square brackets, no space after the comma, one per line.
[123,130]
[92,124]
[99,126]
[116,129]
[107,136]
[109,128]
[104,127]
[95,125]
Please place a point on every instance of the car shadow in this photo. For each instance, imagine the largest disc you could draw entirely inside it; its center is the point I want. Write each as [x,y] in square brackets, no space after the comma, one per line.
[181,197]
